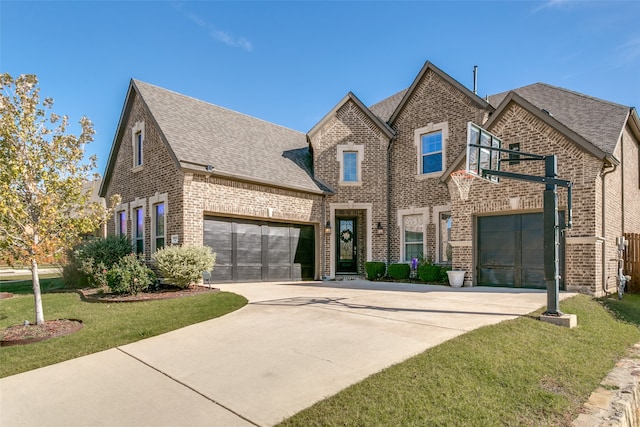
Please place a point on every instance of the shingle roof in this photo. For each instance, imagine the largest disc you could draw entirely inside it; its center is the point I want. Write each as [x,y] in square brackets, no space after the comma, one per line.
[385,108]
[235,144]
[599,122]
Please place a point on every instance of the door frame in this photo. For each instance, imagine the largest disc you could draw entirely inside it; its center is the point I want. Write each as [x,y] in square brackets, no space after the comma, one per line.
[368,208]
[354,251]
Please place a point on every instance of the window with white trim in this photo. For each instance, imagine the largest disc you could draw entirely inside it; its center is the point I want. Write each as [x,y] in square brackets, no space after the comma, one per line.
[431,143]
[350,158]
[413,233]
[137,143]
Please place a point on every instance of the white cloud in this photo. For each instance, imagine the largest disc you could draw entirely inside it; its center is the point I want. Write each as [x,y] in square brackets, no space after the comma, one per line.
[630,51]
[215,33]
[550,4]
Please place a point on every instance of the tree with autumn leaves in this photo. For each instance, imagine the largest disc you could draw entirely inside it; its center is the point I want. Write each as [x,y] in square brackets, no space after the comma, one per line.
[43,206]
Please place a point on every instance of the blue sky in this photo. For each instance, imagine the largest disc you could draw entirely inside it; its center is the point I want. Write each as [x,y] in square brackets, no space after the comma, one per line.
[290,62]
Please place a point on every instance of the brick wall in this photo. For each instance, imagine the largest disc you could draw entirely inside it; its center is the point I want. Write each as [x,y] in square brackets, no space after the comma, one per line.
[434,101]
[351,125]
[159,174]
[584,242]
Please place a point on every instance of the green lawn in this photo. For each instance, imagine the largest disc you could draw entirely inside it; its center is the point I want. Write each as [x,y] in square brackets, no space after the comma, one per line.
[105,325]
[520,372]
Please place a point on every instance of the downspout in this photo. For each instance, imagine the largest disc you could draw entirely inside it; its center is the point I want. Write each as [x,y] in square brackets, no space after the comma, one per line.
[622,183]
[389,198]
[604,227]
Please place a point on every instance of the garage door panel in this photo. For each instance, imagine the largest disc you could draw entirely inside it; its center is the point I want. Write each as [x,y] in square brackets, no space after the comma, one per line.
[255,250]
[496,276]
[511,250]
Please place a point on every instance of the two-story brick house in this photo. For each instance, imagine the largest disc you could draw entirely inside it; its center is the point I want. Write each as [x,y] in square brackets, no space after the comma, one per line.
[372,183]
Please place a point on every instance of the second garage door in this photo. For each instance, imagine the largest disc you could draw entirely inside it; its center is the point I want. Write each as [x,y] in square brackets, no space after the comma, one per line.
[249,251]
[511,251]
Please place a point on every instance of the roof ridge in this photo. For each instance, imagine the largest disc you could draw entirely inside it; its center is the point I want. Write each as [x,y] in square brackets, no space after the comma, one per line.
[136,81]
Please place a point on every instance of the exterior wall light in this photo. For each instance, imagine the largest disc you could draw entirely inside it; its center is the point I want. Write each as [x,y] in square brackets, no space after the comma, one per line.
[327,227]
[379,228]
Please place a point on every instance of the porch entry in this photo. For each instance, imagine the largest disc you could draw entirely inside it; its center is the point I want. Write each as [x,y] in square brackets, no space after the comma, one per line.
[347,245]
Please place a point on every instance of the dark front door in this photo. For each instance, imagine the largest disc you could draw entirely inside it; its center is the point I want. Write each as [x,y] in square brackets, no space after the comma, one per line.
[346,246]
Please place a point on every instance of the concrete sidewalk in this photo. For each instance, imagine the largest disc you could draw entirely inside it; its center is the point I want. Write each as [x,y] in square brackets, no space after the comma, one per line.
[292,345]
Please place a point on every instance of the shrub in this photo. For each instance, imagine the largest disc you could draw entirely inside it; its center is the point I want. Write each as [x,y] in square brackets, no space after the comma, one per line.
[129,276]
[183,265]
[399,271]
[89,262]
[431,273]
[375,269]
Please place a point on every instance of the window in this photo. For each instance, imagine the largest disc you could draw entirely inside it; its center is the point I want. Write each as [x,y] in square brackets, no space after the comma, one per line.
[137,143]
[431,152]
[138,155]
[514,159]
[159,220]
[158,205]
[444,230]
[431,142]
[121,224]
[350,157]
[350,169]
[413,236]
[138,236]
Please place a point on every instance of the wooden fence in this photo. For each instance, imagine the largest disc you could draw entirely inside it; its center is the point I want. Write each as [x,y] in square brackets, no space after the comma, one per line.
[632,261]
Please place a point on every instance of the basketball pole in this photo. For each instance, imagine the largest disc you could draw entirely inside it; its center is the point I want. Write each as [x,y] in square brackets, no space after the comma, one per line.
[551,237]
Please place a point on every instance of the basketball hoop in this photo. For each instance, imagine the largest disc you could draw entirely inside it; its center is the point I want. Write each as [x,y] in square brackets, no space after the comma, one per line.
[463,181]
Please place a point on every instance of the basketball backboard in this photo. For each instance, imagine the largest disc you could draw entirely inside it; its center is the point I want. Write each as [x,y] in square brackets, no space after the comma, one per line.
[482,152]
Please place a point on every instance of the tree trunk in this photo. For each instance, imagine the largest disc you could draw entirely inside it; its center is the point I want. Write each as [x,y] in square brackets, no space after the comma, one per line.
[35,277]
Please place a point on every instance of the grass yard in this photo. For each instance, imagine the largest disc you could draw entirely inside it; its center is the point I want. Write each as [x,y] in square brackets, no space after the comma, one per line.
[105,325]
[520,372]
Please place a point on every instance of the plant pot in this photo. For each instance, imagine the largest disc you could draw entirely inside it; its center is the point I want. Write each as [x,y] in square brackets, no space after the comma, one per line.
[456,278]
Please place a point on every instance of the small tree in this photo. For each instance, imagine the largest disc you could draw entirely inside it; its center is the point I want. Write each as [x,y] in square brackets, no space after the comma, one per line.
[44,208]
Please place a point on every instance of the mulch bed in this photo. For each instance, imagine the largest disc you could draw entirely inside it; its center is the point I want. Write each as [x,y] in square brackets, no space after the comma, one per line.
[99,295]
[6,295]
[27,334]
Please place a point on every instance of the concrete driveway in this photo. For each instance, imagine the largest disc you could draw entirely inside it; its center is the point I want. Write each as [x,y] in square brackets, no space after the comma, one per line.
[292,345]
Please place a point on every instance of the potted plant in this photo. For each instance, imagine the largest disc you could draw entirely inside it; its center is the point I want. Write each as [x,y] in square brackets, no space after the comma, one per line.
[456,278]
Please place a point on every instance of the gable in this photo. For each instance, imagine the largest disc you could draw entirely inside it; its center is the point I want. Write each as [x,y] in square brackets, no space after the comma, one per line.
[203,137]
[453,88]
[597,121]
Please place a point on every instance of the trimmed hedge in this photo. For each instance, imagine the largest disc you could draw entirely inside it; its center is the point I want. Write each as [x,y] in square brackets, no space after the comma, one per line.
[431,273]
[375,269]
[89,262]
[399,271]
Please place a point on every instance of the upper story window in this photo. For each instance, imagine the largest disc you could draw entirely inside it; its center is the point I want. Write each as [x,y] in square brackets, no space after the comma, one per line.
[432,152]
[350,158]
[431,143]
[350,168]
[137,143]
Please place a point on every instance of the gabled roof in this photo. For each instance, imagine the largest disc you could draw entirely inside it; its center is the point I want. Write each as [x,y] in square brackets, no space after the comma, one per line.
[597,121]
[238,146]
[385,108]
[351,97]
[409,92]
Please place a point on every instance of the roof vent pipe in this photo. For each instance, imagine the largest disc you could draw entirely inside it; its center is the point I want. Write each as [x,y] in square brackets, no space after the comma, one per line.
[475,79]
